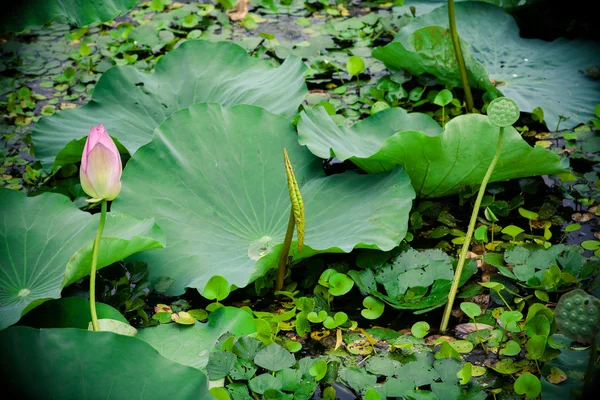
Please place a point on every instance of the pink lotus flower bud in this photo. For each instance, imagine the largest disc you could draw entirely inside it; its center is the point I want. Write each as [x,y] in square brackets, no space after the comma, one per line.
[101,168]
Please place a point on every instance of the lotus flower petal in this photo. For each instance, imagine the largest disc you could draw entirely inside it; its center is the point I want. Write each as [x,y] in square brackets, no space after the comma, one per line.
[101,167]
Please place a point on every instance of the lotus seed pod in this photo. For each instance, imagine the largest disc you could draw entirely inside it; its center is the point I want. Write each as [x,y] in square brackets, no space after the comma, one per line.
[503,112]
[577,315]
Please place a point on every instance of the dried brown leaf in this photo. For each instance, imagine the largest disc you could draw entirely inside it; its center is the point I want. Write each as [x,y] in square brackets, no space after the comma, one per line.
[239,11]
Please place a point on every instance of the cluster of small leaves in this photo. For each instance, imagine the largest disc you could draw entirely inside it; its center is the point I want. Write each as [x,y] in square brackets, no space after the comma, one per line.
[552,269]
[252,367]
[412,280]
[418,374]
[126,287]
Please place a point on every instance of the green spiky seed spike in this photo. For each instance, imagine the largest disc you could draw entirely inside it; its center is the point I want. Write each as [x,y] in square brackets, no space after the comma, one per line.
[503,112]
[577,315]
[296,199]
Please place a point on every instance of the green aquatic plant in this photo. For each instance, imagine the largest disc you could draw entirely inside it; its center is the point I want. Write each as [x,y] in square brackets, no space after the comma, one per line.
[554,269]
[228,205]
[48,245]
[553,76]
[355,66]
[439,162]
[412,280]
[24,14]
[190,74]
[502,113]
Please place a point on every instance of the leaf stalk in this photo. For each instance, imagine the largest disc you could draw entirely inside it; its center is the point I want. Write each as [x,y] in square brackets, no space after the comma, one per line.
[95,323]
[469,235]
[462,68]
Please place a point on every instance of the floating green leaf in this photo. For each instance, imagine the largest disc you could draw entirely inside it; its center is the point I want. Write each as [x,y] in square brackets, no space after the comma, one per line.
[48,245]
[415,280]
[528,214]
[465,373]
[274,358]
[131,104]
[438,163]
[340,284]
[319,369]
[512,230]
[420,329]
[373,307]
[227,204]
[220,363]
[339,318]
[535,347]
[355,66]
[548,269]
[261,383]
[528,385]
[510,348]
[471,309]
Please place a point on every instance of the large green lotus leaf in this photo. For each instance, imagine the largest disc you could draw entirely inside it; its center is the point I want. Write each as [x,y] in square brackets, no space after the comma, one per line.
[318,132]
[192,345]
[533,72]
[214,179]
[131,104]
[47,244]
[79,364]
[438,165]
[23,14]
[430,50]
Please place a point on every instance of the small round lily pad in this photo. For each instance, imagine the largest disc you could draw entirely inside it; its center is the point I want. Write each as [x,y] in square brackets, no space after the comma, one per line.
[503,112]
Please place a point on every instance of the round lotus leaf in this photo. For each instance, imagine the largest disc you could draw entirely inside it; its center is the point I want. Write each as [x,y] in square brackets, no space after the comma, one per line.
[24,14]
[131,103]
[439,162]
[503,112]
[214,179]
[48,243]
[577,315]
